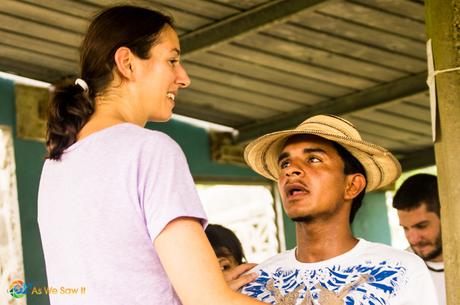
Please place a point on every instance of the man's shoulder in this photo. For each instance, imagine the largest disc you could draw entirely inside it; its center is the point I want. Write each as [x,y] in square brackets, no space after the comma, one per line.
[382,252]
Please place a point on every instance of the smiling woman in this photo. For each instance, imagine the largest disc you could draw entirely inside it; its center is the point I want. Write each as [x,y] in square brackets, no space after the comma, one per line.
[118,211]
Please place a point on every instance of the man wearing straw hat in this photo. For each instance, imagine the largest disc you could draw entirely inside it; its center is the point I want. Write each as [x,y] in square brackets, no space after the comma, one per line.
[323,169]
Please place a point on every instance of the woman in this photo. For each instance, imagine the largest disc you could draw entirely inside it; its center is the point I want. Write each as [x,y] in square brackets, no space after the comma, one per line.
[226,245]
[119,215]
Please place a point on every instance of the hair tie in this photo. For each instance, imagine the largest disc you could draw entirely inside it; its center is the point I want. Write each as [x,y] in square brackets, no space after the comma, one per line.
[82,84]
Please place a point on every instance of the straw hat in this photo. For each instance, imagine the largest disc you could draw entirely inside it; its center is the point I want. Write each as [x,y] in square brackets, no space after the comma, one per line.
[382,168]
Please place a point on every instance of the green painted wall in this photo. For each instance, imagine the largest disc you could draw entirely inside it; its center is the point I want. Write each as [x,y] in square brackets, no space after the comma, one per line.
[195,143]
[370,223]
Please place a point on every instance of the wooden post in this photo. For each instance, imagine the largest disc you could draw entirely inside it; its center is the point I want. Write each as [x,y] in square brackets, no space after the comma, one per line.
[443,27]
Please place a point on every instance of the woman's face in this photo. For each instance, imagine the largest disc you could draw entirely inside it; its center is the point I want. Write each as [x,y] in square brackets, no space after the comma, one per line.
[159,78]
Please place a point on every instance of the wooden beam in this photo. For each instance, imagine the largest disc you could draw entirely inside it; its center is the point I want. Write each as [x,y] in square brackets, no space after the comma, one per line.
[371,97]
[244,23]
[442,21]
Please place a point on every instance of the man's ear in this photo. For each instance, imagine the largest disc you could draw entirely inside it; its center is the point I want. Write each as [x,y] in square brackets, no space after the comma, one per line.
[355,184]
[124,61]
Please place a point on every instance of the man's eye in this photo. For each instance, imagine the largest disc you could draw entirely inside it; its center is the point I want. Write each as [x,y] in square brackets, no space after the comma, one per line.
[284,164]
[313,160]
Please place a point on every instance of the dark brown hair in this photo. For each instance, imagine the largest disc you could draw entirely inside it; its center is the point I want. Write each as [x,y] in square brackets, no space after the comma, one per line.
[71,106]
[224,242]
[417,190]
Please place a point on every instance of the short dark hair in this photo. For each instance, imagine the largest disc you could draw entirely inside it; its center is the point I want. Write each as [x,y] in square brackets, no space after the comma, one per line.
[224,242]
[352,166]
[417,190]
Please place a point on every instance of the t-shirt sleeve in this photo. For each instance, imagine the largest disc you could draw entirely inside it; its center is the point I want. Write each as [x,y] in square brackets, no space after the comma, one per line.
[166,188]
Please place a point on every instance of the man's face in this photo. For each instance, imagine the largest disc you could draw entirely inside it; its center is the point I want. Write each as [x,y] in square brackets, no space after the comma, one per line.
[423,232]
[311,182]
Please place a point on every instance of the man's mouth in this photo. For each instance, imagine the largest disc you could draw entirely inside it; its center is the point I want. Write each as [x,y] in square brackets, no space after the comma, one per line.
[295,189]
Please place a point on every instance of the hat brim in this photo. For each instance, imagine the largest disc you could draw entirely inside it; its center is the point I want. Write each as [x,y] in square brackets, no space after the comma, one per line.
[381,167]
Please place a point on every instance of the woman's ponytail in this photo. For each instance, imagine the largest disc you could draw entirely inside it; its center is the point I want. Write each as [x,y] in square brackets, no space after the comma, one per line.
[70,108]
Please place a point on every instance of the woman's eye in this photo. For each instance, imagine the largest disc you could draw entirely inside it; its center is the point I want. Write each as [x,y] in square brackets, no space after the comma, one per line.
[173,62]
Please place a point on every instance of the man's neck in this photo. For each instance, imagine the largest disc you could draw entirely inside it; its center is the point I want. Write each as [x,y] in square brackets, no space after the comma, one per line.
[319,242]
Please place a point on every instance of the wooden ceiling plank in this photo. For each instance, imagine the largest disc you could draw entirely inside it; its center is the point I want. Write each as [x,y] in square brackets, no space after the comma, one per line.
[422,100]
[287,79]
[44,16]
[28,70]
[325,59]
[223,104]
[184,20]
[417,113]
[370,97]
[412,125]
[340,45]
[245,83]
[408,9]
[362,34]
[44,60]
[389,131]
[207,9]
[377,19]
[256,18]
[242,4]
[287,65]
[39,31]
[39,45]
[69,7]
[244,96]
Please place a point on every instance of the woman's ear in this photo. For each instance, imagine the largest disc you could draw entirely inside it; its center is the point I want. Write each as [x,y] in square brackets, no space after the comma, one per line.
[355,184]
[124,60]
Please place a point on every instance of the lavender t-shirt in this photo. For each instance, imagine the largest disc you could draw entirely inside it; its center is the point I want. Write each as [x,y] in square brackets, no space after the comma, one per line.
[101,207]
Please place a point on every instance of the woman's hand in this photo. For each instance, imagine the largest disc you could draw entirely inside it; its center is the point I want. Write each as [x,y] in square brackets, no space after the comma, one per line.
[235,277]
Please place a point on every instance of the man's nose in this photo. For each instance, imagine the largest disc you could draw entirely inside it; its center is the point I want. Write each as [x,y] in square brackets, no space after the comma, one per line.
[413,237]
[294,170]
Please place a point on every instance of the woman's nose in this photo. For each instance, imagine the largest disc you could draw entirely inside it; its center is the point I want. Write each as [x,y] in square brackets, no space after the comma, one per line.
[182,78]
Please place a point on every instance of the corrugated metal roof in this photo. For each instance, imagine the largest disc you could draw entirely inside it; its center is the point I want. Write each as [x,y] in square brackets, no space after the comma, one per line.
[260,66]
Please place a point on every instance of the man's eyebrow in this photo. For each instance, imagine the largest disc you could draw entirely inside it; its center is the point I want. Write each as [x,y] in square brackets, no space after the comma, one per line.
[305,151]
[314,150]
[283,156]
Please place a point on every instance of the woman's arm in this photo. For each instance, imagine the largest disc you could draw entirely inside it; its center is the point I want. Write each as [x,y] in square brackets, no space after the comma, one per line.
[192,266]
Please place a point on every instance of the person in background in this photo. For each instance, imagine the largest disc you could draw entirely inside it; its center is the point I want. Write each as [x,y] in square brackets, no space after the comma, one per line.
[417,202]
[118,211]
[226,245]
[323,169]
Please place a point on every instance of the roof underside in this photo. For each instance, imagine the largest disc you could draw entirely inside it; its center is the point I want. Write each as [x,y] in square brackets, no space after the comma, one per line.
[260,66]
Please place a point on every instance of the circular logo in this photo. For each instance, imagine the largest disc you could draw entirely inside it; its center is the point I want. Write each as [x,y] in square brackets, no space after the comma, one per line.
[17,289]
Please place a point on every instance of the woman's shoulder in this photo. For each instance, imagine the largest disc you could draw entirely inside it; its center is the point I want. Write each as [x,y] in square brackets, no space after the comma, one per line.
[133,133]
